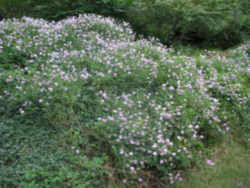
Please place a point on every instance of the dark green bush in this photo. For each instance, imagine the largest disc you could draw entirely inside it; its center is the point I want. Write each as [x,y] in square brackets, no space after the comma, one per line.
[14,8]
[59,9]
[218,22]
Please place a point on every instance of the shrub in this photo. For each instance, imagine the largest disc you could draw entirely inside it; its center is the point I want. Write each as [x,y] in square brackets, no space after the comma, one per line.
[59,9]
[14,8]
[86,87]
[221,23]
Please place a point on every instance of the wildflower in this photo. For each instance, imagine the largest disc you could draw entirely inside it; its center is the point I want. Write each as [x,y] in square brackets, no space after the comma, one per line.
[50,89]
[123,119]
[132,169]
[171,88]
[166,115]
[21,111]
[209,162]
[121,151]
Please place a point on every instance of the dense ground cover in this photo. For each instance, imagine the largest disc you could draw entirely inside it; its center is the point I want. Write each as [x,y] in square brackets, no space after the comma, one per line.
[84,104]
[220,23]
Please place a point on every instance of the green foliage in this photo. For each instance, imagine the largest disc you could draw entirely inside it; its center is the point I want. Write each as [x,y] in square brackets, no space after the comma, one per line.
[221,23]
[248,52]
[84,104]
[59,9]
[14,8]
[90,175]
[218,22]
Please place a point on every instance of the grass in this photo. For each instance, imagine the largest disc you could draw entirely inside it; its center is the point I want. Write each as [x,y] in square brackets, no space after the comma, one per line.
[232,169]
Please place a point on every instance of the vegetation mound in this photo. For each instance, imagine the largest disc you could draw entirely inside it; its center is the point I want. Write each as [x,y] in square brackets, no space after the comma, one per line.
[82,103]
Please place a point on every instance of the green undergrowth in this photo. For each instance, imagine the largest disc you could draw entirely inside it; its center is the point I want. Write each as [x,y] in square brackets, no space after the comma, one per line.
[85,104]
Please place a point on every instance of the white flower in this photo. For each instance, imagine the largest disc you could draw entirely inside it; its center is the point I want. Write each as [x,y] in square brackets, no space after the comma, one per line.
[171,88]
[21,111]
[132,169]
[209,162]
[166,115]
[121,151]
[155,145]
[50,89]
